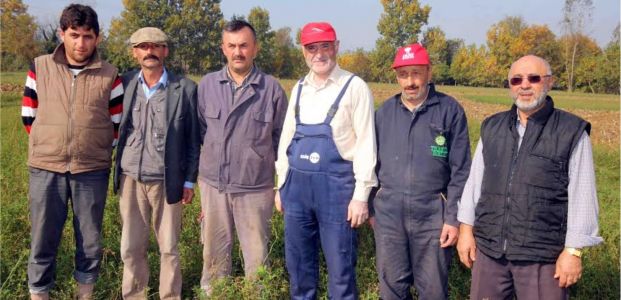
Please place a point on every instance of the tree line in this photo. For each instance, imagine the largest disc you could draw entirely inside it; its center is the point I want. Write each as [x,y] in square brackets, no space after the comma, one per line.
[194,27]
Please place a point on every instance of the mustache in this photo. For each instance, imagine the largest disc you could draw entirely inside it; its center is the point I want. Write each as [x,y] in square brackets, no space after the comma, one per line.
[151,56]
[411,87]
[239,57]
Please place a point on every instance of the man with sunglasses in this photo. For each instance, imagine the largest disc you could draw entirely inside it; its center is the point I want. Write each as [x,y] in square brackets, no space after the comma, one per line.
[156,164]
[423,161]
[530,203]
[325,167]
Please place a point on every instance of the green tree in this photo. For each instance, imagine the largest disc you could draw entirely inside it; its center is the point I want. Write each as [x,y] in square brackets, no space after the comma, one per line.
[503,37]
[585,47]
[288,61]
[17,42]
[576,17]
[357,62]
[193,26]
[434,40]
[260,20]
[399,25]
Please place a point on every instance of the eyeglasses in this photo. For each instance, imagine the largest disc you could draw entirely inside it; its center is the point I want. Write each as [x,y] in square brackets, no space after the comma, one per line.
[533,78]
[313,48]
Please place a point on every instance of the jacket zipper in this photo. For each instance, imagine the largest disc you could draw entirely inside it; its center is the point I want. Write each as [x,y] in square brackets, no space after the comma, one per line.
[70,129]
[508,200]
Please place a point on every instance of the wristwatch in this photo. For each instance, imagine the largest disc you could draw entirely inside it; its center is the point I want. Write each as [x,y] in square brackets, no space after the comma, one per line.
[574,251]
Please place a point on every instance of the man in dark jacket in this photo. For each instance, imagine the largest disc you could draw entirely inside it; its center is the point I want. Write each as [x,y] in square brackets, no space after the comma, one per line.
[156,164]
[241,112]
[530,204]
[423,160]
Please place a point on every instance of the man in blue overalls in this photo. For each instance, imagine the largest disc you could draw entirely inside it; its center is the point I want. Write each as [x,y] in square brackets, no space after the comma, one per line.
[325,167]
[423,162]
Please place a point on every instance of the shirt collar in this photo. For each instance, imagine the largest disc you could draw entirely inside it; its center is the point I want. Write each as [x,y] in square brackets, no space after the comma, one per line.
[336,76]
[246,79]
[163,80]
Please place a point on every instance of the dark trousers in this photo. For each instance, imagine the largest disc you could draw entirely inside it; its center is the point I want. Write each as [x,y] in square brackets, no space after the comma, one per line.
[316,213]
[407,243]
[49,194]
[502,279]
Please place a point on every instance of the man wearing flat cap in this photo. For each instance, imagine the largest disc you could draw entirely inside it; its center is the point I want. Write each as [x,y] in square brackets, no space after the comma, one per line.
[156,164]
[423,162]
[326,162]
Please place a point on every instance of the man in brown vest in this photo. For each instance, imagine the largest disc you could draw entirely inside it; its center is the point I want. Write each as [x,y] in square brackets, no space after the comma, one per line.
[71,116]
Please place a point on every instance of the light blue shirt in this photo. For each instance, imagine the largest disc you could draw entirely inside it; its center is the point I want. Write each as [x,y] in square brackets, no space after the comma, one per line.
[149,91]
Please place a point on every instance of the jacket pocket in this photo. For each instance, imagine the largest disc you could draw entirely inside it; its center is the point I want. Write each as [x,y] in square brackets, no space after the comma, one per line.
[260,126]
[48,140]
[254,169]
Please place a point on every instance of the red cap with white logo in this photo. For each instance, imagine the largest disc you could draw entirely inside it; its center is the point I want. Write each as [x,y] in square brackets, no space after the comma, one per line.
[317,32]
[410,55]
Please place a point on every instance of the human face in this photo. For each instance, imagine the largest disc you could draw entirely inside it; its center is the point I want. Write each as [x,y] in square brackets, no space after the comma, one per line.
[150,55]
[530,96]
[321,57]
[414,82]
[240,49]
[80,44]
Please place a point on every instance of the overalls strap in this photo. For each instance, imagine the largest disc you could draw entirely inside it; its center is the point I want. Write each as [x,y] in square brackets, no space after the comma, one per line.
[333,108]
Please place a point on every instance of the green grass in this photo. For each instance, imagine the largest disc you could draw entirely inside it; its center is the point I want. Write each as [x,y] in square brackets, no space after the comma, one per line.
[601,263]
[13,77]
[562,99]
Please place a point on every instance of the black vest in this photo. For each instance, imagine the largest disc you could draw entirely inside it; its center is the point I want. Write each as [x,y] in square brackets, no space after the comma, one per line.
[522,211]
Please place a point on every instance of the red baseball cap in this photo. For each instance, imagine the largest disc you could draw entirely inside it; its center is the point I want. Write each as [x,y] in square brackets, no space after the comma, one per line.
[317,32]
[409,55]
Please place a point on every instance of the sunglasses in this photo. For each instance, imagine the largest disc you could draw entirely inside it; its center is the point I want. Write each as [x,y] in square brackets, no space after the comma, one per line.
[531,78]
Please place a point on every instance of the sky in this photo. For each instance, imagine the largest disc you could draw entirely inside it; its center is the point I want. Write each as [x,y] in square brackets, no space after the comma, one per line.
[355,21]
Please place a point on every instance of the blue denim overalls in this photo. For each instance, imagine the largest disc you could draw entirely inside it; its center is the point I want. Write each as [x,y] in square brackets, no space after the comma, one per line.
[316,195]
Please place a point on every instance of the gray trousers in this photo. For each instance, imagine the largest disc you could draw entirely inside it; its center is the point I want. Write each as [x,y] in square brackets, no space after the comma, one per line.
[503,279]
[407,243]
[247,213]
[49,194]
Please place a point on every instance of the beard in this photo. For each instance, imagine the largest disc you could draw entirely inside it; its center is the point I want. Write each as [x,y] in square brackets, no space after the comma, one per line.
[528,106]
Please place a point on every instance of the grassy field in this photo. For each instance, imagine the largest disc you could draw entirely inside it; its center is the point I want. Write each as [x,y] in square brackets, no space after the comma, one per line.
[601,264]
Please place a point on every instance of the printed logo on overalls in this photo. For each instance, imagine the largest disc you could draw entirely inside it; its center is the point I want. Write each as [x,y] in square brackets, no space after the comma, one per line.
[313,157]
[439,149]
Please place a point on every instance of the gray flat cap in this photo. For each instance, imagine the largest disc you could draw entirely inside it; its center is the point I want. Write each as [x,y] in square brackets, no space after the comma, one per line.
[148,35]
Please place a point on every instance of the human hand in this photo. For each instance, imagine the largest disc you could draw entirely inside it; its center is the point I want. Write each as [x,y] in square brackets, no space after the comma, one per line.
[357,212]
[449,235]
[188,194]
[568,269]
[466,245]
[277,202]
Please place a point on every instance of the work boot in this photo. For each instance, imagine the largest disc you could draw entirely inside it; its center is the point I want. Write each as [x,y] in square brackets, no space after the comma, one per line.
[85,291]
[40,296]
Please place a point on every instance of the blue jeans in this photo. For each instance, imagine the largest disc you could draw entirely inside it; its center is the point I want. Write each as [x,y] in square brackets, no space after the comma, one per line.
[407,243]
[49,194]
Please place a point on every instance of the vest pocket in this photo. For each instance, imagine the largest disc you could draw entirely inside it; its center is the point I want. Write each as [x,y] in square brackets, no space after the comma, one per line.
[48,140]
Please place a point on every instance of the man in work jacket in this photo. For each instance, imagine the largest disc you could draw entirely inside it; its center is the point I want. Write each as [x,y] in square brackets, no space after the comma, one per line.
[325,168]
[71,109]
[423,161]
[530,204]
[156,164]
[241,111]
